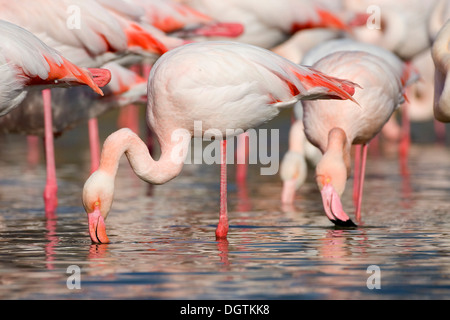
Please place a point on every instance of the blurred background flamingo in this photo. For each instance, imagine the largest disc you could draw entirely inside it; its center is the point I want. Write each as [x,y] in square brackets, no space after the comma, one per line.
[27,61]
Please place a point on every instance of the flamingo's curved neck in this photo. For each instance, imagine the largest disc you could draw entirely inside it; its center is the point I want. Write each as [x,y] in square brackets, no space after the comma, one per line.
[125,141]
[339,147]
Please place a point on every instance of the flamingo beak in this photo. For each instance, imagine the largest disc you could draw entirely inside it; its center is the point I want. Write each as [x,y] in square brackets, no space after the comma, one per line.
[97,228]
[333,207]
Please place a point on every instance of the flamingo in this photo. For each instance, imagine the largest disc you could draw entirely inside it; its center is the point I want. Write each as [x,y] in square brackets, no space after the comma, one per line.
[27,62]
[335,127]
[441,58]
[225,85]
[293,167]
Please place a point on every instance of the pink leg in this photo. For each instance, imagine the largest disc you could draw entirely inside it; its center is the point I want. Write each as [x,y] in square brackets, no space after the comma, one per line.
[51,187]
[222,227]
[242,157]
[94,143]
[356,173]
[361,182]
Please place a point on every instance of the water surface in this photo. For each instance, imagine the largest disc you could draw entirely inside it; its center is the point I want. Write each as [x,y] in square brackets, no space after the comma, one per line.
[163,244]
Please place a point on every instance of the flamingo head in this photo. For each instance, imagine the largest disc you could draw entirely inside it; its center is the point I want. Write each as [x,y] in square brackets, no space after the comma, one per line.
[333,206]
[331,184]
[293,172]
[97,200]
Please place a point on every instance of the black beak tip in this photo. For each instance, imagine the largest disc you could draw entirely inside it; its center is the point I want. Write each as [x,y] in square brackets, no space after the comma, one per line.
[345,224]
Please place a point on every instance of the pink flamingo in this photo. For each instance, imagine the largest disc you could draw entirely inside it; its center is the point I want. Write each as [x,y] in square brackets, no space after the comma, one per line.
[293,167]
[26,62]
[441,58]
[335,127]
[225,85]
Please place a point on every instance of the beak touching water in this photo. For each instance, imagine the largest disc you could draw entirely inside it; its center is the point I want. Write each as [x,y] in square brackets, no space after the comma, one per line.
[333,207]
[97,228]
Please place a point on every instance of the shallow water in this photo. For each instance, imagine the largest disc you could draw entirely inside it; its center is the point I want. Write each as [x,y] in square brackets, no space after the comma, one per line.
[163,244]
